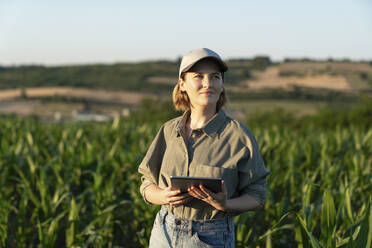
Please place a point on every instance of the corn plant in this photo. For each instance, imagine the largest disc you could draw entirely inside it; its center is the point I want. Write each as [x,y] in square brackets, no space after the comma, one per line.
[76,185]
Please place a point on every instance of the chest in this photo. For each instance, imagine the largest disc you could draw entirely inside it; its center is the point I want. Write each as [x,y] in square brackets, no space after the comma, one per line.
[202,156]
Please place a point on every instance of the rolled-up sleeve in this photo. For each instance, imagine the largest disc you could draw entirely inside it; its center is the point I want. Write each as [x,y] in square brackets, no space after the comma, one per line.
[150,165]
[252,173]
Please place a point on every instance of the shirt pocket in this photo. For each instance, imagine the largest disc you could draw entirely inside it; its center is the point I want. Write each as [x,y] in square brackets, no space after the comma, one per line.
[229,175]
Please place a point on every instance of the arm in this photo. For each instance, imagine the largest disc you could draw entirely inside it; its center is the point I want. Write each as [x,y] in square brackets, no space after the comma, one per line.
[242,203]
[219,201]
[158,196]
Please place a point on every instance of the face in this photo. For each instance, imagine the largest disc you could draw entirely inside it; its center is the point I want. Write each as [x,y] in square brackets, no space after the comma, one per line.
[203,85]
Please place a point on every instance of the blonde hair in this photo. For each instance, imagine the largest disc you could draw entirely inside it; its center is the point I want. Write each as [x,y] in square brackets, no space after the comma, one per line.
[181,100]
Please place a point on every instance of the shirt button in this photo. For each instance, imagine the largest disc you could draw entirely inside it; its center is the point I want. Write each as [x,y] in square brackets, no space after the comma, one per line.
[178,222]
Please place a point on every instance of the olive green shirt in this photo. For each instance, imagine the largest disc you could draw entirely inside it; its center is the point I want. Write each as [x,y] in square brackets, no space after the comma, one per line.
[222,148]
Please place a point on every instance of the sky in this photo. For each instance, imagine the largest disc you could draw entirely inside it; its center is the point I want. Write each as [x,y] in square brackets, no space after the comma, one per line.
[65,32]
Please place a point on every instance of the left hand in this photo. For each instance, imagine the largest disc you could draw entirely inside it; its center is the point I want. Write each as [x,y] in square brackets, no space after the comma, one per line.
[217,200]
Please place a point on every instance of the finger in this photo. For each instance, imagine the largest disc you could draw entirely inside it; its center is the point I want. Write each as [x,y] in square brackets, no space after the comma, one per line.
[180,202]
[199,192]
[174,189]
[204,190]
[207,192]
[180,194]
[171,189]
[188,199]
[173,192]
[223,186]
[179,197]
[192,193]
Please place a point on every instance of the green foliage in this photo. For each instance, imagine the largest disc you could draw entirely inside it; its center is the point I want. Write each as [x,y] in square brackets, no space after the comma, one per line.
[261,62]
[125,76]
[155,111]
[23,93]
[359,115]
[305,59]
[291,74]
[236,74]
[297,93]
[76,184]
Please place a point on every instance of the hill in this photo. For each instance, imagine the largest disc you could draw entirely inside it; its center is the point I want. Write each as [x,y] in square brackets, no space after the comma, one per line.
[302,86]
[155,76]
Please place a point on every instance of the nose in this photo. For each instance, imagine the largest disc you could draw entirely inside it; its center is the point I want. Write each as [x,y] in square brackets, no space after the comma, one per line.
[206,81]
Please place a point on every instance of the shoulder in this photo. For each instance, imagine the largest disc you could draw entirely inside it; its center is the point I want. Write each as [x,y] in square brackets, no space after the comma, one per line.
[170,126]
[166,132]
[239,131]
[172,123]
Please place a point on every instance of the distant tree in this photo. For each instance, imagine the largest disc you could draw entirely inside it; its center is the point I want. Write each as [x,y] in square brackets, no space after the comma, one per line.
[23,93]
[246,73]
[363,75]
[261,62]
[240,60]
[306,60]
[154,110]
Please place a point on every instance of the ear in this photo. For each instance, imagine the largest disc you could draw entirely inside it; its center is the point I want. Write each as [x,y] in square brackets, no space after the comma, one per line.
[182,83]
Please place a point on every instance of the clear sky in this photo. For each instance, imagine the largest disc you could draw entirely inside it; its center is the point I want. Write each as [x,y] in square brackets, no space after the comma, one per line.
[92,31]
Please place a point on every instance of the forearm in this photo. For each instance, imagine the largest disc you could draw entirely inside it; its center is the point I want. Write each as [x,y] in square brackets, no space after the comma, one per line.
[153,194]
[242,203]
[158,196]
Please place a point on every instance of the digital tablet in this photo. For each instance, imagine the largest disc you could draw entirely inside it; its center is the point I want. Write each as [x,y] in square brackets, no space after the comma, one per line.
[183,183]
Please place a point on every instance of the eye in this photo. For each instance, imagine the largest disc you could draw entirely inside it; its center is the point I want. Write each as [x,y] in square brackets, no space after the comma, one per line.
[198,76]
[216,76]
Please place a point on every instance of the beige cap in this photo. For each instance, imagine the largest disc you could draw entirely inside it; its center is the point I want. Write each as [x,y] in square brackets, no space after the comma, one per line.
[196,55]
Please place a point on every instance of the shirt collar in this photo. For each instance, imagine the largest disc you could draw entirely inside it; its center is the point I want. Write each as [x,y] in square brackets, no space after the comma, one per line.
[215,124]
[182,122]
[210,128]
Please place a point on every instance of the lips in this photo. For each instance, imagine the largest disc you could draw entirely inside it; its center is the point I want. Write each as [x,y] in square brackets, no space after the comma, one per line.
[207,93]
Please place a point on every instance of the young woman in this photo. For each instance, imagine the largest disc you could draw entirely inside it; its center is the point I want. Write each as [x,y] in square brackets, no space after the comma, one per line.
[203,142]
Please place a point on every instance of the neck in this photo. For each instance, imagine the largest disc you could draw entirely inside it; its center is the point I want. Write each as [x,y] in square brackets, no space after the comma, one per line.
[200,116]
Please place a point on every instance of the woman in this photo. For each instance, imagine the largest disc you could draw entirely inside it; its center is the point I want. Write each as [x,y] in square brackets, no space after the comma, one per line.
[203,142]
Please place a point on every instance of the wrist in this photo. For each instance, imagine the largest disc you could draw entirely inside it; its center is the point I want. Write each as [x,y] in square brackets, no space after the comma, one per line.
[223,207]
[162,197]
[226,208]
[155,195]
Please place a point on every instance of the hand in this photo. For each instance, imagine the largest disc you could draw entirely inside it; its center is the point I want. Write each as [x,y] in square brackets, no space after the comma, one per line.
[174,197]
[217,200]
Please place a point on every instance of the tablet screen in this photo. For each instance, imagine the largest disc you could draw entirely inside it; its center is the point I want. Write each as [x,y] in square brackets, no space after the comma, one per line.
[183,183]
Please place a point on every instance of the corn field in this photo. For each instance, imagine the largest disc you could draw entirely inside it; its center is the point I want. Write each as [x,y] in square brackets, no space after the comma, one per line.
[76,185]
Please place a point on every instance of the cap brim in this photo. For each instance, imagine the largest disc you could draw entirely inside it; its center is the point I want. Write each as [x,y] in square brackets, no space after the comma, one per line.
[222,64]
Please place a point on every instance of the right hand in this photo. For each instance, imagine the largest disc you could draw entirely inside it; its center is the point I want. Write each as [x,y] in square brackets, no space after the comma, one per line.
[174,197]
